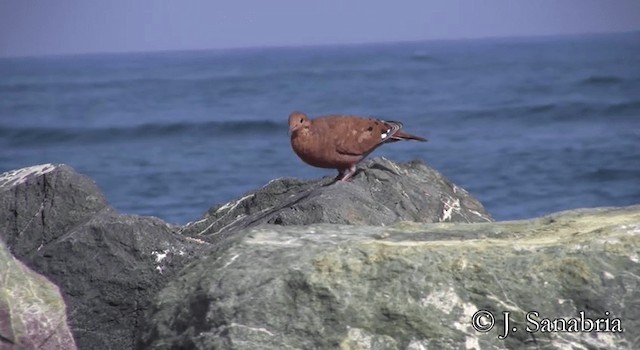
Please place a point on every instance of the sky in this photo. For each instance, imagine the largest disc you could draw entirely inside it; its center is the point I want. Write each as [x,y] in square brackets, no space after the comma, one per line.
[46,27]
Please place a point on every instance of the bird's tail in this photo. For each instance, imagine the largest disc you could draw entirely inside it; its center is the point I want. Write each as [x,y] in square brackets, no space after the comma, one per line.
[401,135]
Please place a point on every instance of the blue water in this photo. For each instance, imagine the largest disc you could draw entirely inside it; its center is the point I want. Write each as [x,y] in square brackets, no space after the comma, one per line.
[529,126]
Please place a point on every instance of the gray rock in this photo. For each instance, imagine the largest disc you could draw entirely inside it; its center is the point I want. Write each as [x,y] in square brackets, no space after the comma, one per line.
[381,193]
[380,282]
[108,266]
[409,286]
[32,311]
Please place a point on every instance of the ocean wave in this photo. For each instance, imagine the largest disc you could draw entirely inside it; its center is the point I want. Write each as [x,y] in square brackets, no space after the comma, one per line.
[539,108]
[255,79]
[559,111]
[630,107]
[612,174]
[421,56]
[43,86]
[601,80]
[41,136]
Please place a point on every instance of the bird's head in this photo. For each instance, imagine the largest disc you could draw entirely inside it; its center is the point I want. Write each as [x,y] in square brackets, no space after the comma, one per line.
[298,120]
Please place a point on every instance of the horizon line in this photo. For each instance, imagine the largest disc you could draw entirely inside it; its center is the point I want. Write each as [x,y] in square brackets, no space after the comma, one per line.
[319,45]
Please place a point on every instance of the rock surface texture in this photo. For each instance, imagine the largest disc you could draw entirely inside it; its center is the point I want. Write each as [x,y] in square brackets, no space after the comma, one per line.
[32,311]
[381,193]
[409,286]
[108,266]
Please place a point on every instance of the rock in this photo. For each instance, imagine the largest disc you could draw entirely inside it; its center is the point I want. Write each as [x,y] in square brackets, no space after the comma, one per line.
[409,285]
[268,282]
[108,266]
[28,195]
[32,311]
[381,193]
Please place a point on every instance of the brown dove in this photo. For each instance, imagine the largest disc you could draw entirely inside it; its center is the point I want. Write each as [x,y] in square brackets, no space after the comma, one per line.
[341,141]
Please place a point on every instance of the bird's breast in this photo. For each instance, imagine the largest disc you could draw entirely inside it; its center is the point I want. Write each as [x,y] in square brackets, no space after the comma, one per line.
[319,152]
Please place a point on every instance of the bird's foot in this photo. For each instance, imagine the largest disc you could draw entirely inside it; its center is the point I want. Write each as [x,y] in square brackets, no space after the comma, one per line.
[346,174]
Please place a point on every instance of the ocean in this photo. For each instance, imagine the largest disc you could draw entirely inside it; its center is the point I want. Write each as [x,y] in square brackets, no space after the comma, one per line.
[529,126]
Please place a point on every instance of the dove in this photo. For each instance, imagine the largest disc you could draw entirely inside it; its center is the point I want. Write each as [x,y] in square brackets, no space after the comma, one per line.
[341,141]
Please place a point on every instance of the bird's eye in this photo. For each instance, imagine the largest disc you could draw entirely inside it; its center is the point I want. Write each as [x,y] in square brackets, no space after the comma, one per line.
[301,120]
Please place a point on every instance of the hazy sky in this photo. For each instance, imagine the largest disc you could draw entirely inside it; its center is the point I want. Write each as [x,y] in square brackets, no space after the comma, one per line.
[33,27]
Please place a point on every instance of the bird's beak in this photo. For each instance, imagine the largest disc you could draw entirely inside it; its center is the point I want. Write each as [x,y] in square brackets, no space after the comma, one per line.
[291,130]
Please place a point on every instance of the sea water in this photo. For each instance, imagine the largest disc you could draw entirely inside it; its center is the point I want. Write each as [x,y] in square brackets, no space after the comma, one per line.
[528,125]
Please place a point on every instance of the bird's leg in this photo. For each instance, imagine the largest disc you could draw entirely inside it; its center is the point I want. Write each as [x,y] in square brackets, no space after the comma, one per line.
[346,174]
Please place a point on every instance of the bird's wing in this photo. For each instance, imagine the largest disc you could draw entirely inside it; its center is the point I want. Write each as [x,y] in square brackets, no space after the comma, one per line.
[357,136]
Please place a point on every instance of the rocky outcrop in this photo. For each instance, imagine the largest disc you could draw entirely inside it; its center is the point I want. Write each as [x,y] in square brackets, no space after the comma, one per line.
[32,311]
[381,193]
[399,258]
[412,286]
[108,266]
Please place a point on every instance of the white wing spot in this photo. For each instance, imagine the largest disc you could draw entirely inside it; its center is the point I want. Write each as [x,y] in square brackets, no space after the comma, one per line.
[384,135]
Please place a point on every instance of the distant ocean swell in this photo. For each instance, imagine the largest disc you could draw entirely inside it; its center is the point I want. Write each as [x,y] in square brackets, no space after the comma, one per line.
[15,136]
[602,80]
[560,111]
[221,78]
[551,112]
[207,79]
